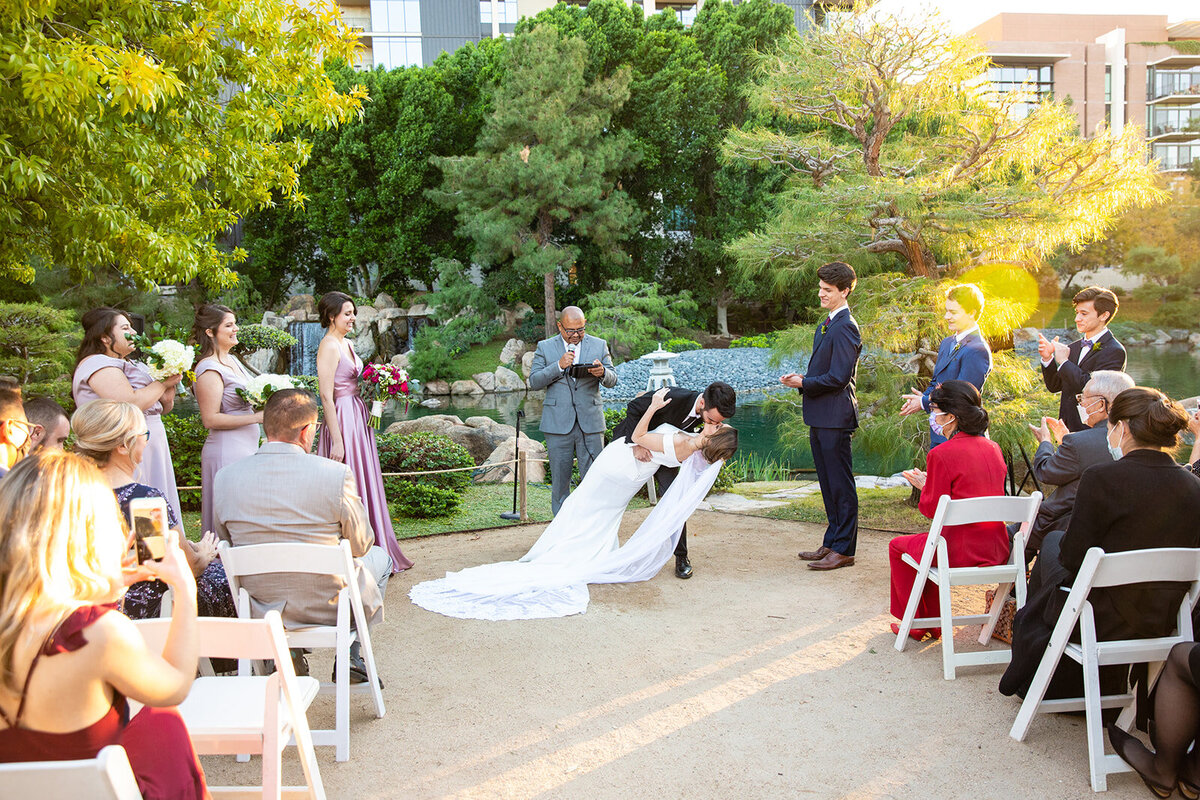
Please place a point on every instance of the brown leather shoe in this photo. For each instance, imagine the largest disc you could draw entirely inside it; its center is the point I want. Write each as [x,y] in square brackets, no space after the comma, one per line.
[814,555]
[833,560]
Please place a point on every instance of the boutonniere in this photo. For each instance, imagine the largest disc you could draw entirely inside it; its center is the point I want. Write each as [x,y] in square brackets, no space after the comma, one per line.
[824,327]
[956,346]
[1096,345]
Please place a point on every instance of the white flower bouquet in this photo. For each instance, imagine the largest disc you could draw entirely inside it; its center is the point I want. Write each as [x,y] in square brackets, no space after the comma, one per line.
[260,388]
[166,357]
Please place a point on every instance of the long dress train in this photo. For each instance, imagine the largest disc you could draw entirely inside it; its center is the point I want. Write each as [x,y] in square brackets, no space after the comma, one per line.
[362,454]
[580,546]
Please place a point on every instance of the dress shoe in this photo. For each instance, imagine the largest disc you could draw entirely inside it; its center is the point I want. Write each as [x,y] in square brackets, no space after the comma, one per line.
[683,567]
[1124,743]
[814,555]
[918,634]
[833,560]
[358,667]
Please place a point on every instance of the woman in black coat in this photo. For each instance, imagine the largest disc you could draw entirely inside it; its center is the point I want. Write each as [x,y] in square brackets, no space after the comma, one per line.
[1142,500]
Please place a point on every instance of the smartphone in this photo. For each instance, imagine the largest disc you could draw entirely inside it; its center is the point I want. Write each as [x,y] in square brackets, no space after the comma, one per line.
[149,518]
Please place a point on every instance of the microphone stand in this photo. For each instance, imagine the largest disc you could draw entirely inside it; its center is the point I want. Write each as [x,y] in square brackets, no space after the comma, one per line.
[513,515]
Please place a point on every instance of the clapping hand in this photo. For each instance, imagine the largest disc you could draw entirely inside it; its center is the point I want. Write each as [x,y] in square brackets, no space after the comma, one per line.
[793,380]
[915,476]
[1058,428]
[912,403]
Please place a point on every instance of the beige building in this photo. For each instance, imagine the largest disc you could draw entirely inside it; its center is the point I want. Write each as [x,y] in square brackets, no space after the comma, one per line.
[1127,69]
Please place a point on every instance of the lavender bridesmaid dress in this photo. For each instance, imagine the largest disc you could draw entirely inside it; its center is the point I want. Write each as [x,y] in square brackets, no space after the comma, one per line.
[224,447]
[156,468]
[362,456]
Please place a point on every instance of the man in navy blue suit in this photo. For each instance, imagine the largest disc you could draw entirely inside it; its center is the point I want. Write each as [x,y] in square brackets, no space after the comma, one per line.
[1068,368]
[831,414]
[964,355]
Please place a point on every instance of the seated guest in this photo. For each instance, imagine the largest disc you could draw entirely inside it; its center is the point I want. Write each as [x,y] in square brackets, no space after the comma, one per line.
[1076,452]
[50,424]
[1176,727]
[282,493]
[114,435]
[14,428]
[1194,427]
[968,464]
[67,660]
[1141,500]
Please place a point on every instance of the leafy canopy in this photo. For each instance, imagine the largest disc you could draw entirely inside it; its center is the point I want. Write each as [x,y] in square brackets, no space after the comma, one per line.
[137,135]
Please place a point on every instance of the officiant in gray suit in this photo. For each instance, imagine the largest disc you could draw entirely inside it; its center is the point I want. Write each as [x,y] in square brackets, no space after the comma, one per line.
[573,413]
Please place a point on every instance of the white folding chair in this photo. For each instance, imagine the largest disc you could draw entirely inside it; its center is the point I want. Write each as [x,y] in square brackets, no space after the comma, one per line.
[105,777]
[315,559]
[1179,564]
[246,713]
[1009,576]
[165,608]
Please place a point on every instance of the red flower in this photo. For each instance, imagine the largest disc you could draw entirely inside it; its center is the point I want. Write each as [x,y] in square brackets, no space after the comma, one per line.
[392,389]
[404,387]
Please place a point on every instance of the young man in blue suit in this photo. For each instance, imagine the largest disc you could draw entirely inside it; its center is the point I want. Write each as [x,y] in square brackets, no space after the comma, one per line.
[1067,368]
[831,414]
[964,355]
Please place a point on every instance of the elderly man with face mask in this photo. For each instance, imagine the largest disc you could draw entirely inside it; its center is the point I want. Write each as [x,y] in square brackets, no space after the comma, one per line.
[571,367]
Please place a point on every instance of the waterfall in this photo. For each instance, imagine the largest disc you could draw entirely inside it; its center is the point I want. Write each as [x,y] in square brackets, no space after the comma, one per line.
[303,355]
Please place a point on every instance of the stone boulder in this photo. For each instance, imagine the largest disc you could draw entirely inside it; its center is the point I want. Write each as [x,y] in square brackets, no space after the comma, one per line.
[434,423]
[1194,340]
[522,310]
[384,300]
[303,303]
[274,320]
[433,402]
[364,344]
[365,317]
[418,310]
[298,315]
[527,364]
[399,360]
[508,381]
[437,387]
[1162,337]
[504,473]
[263,360]
[1025,341]
[392,313]
[486,381]
[465,387]
[1179,335]
[514,350]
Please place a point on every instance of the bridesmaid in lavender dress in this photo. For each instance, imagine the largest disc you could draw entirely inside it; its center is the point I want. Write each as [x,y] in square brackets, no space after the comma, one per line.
[232,424]
[103,370]
[346,436]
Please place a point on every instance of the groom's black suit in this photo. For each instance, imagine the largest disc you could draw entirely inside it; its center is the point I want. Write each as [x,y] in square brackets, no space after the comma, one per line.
[674,413]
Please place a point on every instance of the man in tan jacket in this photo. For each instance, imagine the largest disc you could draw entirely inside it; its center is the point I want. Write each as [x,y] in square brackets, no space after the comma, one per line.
[283,493]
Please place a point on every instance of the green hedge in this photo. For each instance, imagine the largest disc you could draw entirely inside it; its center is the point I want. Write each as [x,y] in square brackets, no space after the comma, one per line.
[424,495]
[186,437]
[681,345]
[757,340]
[263,337]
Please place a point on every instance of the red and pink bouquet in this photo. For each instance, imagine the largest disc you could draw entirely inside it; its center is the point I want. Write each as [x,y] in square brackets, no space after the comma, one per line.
[385,382]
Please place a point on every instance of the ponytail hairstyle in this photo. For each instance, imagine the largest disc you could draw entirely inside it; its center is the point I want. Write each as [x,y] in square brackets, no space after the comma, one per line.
[961,399]
[1154,419]
[208,317]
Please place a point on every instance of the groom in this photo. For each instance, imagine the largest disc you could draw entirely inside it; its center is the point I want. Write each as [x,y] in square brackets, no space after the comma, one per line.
[687,410]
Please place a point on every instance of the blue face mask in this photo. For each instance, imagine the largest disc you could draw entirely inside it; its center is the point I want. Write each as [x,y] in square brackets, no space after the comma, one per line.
[1115,452]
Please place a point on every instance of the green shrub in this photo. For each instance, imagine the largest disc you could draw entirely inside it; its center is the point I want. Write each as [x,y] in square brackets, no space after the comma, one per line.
[420,501]
[1177,314]
[757,340]
[36,348]
[186,437]
[415,452]
[306,382]
[532,329]
[681,345]
[612,418]
[263,337]
[430,361]
[726,479]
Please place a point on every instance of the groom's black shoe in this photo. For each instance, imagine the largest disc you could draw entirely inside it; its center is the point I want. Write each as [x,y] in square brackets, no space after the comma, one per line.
[683,567]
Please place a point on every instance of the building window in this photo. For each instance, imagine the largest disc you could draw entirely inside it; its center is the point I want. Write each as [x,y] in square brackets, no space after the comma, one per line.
[1166,82]
[1038,82]
[400,51]
[1172,157]
[1108,95]
[507,11]
[396,16]
[1174,119]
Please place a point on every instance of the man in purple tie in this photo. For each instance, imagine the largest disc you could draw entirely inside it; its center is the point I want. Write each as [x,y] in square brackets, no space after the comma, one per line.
[1068,368]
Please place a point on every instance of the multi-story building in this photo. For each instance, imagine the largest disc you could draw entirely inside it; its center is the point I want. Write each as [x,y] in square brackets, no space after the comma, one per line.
[1116,69]
[404,33]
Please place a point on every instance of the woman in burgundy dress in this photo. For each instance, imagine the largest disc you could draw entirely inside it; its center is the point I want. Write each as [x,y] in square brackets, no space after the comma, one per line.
[346,436]
[68,660]
[967,464]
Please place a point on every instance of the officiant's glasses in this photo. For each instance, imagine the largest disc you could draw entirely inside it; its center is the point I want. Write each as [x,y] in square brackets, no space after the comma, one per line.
[572,331]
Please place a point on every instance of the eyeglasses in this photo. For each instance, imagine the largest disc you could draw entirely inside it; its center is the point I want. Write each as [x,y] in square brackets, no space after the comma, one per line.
[572,331]
[1079,399]
[145,433]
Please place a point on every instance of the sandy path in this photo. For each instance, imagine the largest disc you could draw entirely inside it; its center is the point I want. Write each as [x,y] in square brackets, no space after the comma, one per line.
[756,679]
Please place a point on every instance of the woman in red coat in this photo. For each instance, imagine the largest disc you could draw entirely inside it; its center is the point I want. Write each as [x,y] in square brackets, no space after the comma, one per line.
[968,464]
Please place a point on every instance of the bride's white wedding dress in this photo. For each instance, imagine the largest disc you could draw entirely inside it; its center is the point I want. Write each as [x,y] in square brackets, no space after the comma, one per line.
[580,545]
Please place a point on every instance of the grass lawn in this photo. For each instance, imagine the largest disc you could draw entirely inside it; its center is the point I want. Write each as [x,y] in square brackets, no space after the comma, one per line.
[480,358]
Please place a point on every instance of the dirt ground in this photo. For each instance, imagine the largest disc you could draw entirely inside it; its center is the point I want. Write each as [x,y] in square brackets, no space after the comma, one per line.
[757,678]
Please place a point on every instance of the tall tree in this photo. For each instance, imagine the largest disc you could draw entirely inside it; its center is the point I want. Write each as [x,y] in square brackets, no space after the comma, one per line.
[137,136]
[545,167]
[908,152]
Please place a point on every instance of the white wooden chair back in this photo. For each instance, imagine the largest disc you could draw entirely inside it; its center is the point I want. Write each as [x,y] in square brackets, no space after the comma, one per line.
[1101,570]
[105,777]
[1009,576]
[333,560]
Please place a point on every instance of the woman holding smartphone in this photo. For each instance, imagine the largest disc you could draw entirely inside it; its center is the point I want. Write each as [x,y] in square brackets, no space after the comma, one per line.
[114,435]
[68,661]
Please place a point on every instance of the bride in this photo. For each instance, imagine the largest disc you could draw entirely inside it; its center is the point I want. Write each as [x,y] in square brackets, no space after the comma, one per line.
[580,545]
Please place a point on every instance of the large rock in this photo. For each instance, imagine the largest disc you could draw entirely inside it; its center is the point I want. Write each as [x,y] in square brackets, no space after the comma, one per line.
[486,381]
[508,381]
[300,302]
[437,387]
[384,300]
[1025,341]
[433,402]
[262,360]
[522,310]
[434,423]
[465,387]
[1162,337]
[1194,340]
[418,310]
[527,364]
[504,473]
[400,360]
[392,313]
[274,320]
[365,317]
[297,315]
[1179,335]
[514,350]
[364,345]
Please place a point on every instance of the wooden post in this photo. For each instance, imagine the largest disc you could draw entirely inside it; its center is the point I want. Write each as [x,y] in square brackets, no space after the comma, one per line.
[523,477]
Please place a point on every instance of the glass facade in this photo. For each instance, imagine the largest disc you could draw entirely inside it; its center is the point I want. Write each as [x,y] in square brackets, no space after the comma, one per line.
[1173,119]
[507,12]
[396,16]
[1037,81]
[1167,82]
[1176,156]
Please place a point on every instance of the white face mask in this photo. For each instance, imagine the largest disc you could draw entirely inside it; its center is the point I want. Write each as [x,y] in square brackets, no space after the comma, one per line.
[1115,452]
[1083,412]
